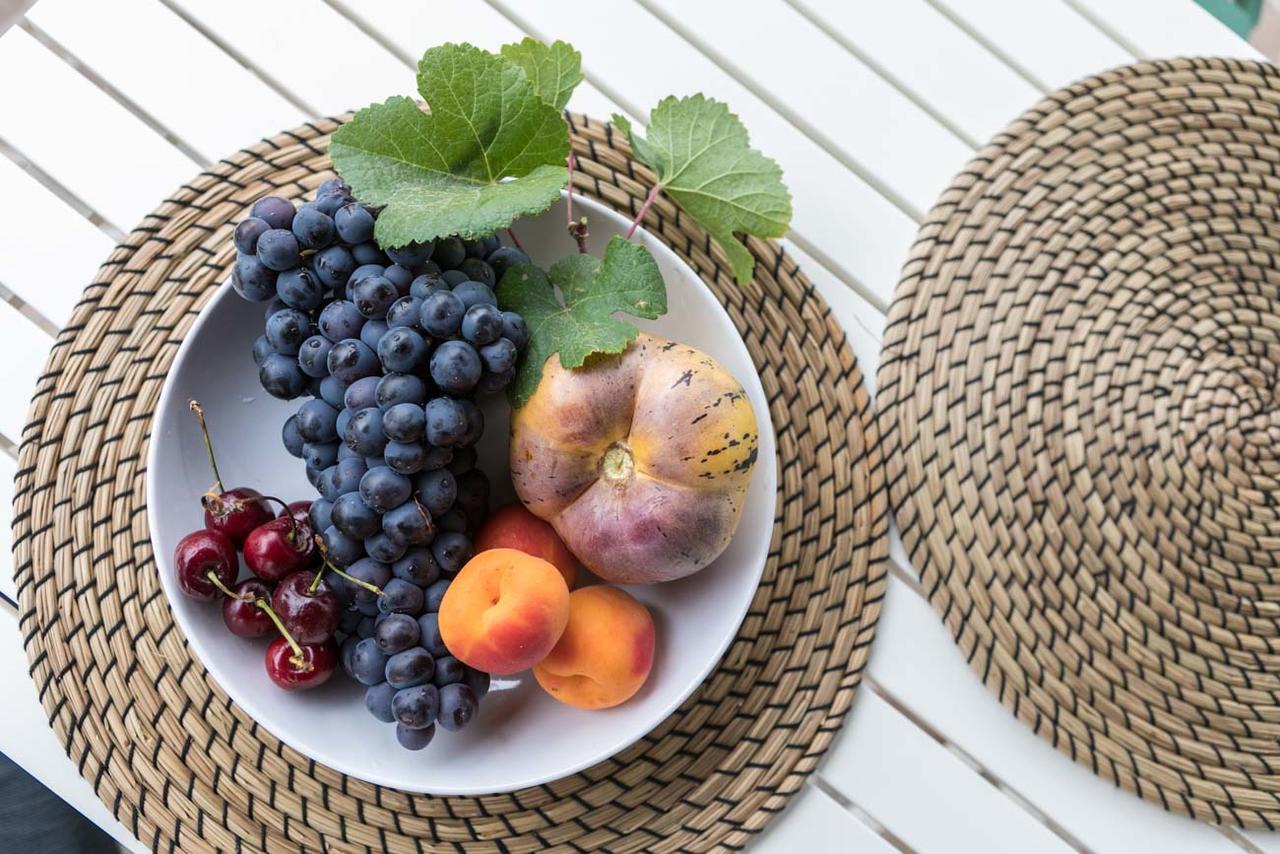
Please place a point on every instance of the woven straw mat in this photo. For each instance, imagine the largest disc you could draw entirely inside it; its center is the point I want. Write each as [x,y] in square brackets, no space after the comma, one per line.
[182,767]
[1080,404]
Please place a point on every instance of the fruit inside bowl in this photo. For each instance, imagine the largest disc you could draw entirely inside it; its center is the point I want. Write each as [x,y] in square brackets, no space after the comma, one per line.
[522,732]
[417,365]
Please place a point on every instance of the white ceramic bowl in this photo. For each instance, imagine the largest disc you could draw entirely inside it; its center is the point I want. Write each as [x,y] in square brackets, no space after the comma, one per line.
[521,736]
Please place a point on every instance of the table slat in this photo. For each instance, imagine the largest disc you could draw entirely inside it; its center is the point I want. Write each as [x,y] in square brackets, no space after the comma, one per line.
[48,251]
[1046,38]
[962,81]
[814,822]
[923,793]
[181,78]
[26,346]
[309,48]
[72,130]
[8,469]
[1160,29]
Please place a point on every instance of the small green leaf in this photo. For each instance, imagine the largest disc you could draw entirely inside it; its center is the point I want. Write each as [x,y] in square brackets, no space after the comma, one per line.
[704,162]
[489,150]
[554,70]
[593,290]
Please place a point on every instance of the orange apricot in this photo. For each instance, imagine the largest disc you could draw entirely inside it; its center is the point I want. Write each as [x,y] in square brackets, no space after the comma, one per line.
[605,653]
[504,611]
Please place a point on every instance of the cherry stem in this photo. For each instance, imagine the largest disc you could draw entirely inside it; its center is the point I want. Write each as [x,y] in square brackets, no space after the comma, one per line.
[644,209]
[293,523]
[217,582]
[511,232]
[208,443]
[328,564]
[297,658]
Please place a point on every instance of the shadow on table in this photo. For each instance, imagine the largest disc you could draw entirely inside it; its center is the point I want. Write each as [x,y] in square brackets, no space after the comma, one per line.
[34,819]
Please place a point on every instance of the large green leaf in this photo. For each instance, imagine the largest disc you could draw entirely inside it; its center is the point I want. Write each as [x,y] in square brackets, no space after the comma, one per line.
[489,150]
[703,159]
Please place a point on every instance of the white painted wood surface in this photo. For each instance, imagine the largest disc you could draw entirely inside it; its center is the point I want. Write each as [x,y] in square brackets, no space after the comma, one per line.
[869,107]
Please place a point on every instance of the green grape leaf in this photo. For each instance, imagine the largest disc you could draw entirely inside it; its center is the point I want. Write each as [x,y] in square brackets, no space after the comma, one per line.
[490,150]
[703,159]
[555,70]
[580,322]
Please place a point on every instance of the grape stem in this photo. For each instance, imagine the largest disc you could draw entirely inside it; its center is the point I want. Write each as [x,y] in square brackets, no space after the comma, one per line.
[511,232]
[328,564]
[644,209]
[297,659]
[577,228]
[208,443]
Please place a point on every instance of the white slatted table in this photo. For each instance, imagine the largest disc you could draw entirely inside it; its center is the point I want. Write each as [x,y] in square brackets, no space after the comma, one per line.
[869,107]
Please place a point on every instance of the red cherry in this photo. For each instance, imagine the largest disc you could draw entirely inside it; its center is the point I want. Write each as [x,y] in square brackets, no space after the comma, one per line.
[235,512]
[310,615]
[278,547]
[310,666]
[200,553]
[300,510]
[241,613]
[230,511]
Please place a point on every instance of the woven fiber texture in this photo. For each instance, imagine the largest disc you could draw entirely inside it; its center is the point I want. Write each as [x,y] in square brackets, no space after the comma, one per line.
[184,768]
[1081,416]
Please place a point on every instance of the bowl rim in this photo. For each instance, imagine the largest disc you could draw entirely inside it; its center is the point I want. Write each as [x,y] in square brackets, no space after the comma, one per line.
[617,222]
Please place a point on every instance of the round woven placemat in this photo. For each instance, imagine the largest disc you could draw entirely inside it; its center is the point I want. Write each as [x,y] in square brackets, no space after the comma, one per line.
[1080,400]
[183,767]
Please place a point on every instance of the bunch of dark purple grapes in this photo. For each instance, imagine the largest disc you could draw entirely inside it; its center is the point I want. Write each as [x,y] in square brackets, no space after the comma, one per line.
[392,348]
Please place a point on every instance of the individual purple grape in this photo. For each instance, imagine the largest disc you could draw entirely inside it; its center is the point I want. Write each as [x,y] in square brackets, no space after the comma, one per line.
[441,313]
[313,228]
[414,739]
[313,358]
[414,666]
[458,707]
[354,223]
[377,700]
[333,266]
[416,706]
[474,293]
[351,359]
[514,329]
[400,388]
[274,211]
[451,551]
[252,279]
[455,367]
[397,632]
[278,250]
[412,255]
[417,566]
[340,320]
[247,233]
[449,252]
[504,258]
[478,271]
